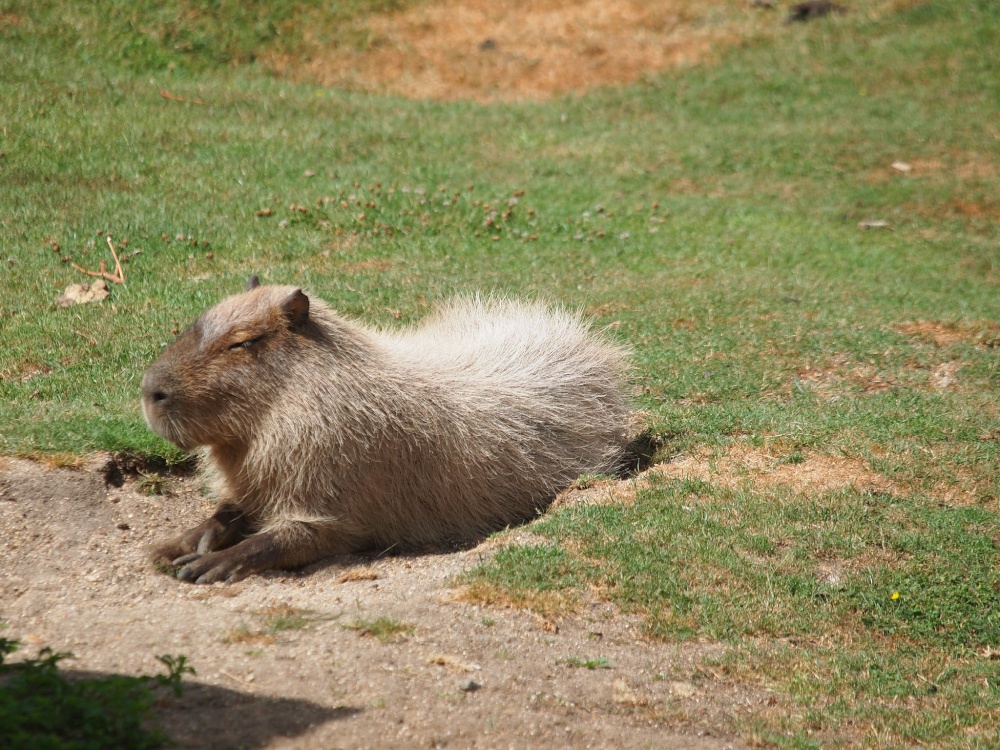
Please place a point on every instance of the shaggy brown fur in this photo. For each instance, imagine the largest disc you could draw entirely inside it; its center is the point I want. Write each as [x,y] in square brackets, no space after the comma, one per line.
[322,436]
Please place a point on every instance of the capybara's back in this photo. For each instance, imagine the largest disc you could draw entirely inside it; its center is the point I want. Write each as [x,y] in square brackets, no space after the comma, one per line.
[325,436]
[512,401]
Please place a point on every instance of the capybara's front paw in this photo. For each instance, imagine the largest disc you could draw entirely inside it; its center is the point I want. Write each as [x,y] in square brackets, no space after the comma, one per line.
[210,568]
[254,554]
[224,529]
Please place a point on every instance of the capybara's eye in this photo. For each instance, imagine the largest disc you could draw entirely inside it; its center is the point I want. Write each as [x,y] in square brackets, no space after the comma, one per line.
[244,344]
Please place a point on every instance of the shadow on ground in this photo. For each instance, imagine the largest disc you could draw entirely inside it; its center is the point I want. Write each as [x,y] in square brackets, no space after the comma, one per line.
[209,716]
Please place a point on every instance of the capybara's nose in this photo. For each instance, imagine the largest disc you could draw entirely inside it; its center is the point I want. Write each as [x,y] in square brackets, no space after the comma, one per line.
[153,392]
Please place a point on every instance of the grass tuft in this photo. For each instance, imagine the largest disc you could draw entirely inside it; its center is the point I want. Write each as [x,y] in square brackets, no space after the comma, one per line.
[385,629]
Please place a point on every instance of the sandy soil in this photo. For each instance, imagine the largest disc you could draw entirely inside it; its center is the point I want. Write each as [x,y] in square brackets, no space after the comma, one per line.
[75,577]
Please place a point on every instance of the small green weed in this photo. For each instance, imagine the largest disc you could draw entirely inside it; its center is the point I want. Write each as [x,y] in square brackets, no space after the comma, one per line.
[601,662]
[384,628]
[40,708]
[151,483]
[794,458]
[588,480]
[177,667]
[285,618]
[276,620]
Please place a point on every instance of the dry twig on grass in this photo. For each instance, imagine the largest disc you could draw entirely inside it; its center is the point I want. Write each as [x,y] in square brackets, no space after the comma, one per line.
[118,276]
[175,98]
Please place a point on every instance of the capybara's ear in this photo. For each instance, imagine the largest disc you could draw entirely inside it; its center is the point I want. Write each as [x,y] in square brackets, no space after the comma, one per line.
[295,308]
[253,282]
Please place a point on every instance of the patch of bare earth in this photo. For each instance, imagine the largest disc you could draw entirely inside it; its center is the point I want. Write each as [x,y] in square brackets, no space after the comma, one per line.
[526,50]
[815,473]
[984,333]
[743,465]
[286,660]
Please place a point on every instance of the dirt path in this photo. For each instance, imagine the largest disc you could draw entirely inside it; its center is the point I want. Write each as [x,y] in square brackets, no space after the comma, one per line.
[74,577]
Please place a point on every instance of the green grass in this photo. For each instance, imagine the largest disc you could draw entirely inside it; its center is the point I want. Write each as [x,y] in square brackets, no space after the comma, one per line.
[711,215]
[41,708]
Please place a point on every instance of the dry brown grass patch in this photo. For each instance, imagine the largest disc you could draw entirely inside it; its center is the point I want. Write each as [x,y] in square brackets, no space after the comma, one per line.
[24,371]
[521,50]
[740,465]
[244,636]
[370,264]
[963,484]
[841,376]
[941,334]
[517,536]
[743,464]
[61,460]
[546,604]
[598,492]
[984,333]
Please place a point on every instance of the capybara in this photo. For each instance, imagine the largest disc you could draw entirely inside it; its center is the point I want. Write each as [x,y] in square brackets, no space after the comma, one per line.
[322,436]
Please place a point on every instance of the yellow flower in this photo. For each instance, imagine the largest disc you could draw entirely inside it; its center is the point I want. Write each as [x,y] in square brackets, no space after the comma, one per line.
[895,595]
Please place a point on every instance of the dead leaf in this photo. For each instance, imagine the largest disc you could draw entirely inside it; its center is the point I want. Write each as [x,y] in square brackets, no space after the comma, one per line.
[358,574]
[452,662]
[546,624]
[874,224]
[80,294]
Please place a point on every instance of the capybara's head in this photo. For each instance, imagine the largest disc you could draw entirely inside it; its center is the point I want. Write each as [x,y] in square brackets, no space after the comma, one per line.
[210,386]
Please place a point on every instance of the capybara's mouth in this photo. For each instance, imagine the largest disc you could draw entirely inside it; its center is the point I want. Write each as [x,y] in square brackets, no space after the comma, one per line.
[160,422]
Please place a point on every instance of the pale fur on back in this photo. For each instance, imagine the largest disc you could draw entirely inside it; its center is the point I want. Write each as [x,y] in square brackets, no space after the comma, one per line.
[471,420]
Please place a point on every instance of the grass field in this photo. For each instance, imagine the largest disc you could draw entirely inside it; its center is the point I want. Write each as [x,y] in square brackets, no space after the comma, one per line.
[714,216]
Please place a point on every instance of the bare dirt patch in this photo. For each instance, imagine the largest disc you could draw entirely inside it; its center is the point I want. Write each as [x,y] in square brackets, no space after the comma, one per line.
[521,50]
[942,334]
[743,465]
[281,659]
[981,333]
